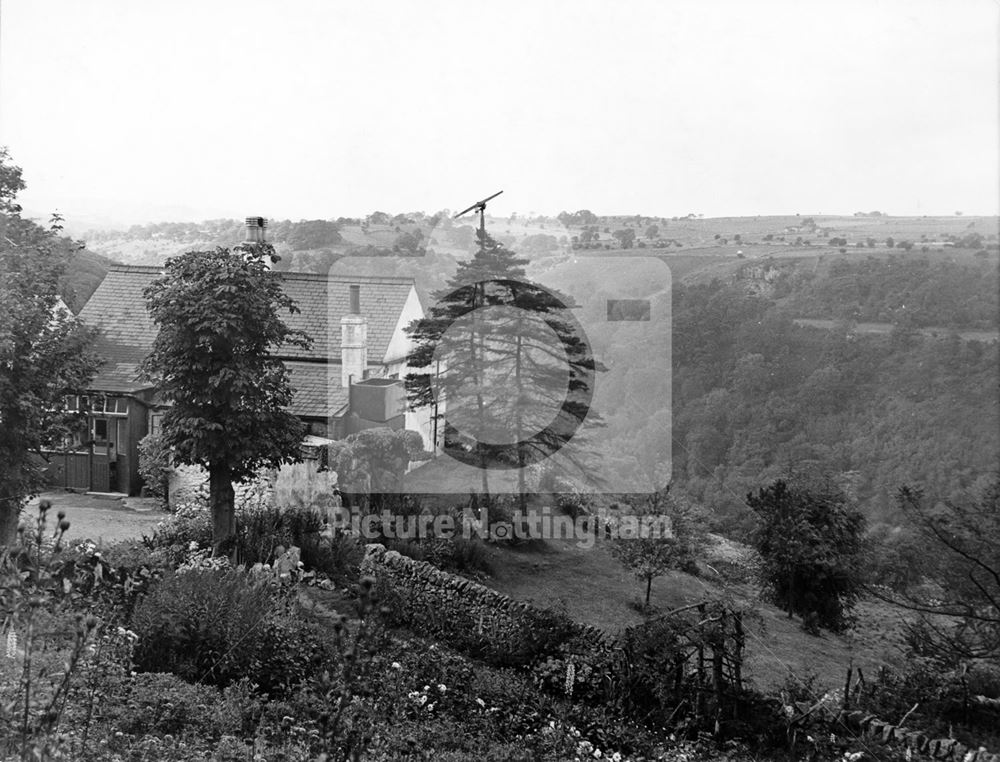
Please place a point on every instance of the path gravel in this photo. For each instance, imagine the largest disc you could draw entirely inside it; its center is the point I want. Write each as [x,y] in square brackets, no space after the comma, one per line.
[103,520]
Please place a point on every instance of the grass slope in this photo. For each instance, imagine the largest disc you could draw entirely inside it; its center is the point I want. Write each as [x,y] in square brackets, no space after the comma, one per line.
[595,589]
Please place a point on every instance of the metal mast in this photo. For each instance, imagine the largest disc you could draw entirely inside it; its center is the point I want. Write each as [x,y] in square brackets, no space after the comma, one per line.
[479,206]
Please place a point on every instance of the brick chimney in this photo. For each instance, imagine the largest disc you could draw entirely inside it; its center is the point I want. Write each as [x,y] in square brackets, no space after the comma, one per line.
[255,230]
[353,340]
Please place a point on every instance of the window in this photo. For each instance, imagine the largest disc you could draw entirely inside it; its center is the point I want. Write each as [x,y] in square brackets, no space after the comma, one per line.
[101,429]
[98,404]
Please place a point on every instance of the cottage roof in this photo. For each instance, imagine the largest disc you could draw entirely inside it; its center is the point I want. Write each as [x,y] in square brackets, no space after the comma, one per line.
[317,389]
[118,309]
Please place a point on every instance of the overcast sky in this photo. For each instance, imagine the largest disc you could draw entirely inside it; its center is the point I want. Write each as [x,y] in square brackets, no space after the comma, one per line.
[189,110]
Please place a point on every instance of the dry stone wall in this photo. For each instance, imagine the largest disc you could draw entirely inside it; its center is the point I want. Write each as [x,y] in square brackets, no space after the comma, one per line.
[425,593]
[874,729]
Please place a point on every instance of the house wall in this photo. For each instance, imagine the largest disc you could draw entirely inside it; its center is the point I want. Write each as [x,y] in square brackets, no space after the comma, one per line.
[400,344]
[395,364]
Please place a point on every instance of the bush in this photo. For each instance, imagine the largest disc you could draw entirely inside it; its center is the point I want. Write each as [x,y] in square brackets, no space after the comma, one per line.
[188,528]
[154,460]
[218,626]
[261,528]
[809,537]
[164,703]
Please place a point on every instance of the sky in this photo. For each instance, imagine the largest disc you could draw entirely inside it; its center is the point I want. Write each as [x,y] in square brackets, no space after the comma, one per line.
[122,112]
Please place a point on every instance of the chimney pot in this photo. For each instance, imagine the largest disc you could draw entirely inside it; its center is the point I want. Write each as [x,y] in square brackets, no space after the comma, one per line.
[255,229]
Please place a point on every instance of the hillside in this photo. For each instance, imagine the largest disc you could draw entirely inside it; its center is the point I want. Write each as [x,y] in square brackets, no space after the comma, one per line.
[794,338]
[595,589]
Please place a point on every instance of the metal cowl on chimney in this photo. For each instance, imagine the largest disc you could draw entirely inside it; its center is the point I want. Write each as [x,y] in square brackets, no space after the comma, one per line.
[255,229]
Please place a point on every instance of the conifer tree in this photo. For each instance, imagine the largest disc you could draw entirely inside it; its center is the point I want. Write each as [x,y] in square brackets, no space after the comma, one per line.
[504,361]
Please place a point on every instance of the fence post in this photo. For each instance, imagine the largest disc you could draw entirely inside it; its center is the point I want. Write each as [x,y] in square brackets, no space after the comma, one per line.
[700,686]
[738,655]
[718,649]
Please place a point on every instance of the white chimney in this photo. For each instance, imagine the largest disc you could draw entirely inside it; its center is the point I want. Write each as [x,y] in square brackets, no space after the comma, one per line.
[353,341]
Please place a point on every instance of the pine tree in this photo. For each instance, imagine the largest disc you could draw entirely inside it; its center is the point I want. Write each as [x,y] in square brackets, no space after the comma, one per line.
[503,356]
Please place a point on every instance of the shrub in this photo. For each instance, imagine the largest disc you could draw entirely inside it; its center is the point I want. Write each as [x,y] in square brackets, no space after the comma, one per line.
[338,554]
[809,537]
[189,527]
[261,529]
[164,703]
[154,460]
[219,626]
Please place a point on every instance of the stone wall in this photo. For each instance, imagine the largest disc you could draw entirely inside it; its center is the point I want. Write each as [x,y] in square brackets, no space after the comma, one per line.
[426,591]
[874,729]
[429,593]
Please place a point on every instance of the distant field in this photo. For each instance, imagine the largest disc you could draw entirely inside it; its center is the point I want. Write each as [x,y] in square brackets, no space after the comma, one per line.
[885,328]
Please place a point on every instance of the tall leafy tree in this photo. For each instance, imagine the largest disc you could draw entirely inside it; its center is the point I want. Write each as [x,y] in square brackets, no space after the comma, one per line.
[44,350]
[219,318]
[810,542]
[502,357]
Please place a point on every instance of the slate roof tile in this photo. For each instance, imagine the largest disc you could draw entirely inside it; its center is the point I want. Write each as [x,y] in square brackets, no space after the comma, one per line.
[118,309]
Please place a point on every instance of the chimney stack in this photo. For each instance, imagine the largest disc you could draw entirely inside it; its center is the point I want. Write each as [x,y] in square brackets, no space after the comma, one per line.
[255,230]
[353,340]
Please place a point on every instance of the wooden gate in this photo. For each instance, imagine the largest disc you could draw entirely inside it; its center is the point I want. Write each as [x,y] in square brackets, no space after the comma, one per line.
[80,471]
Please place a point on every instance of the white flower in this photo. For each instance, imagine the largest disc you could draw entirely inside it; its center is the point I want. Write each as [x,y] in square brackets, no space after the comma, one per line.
[442,687]
[481,702]
[616,757]
[396,665]
[192,546]
[11,644]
